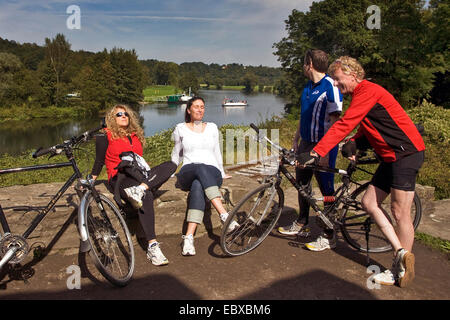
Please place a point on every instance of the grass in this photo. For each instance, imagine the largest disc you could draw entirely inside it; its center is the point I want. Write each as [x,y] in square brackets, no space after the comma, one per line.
[151,93]
[434,242]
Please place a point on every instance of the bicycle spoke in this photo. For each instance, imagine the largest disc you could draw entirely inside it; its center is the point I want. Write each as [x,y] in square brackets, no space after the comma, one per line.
[256,216]
[111,245]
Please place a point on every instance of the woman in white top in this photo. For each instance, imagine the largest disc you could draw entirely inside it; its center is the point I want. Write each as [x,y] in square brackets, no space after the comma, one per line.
[197,147]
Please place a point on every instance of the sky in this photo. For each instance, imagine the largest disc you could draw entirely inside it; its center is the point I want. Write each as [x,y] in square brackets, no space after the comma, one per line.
[209,31]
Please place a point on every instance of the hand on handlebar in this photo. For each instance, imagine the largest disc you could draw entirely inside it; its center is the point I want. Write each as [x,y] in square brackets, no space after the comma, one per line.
[307,158]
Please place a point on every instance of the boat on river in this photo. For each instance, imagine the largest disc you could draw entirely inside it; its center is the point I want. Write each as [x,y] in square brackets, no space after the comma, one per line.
[232,103]
[178,98]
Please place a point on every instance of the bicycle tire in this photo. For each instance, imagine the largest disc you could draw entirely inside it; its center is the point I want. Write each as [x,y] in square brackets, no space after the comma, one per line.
[352,220]
[111,246]
[247,212]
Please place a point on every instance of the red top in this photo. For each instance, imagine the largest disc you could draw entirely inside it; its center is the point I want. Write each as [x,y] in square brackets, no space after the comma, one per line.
[116,147]
[382,121]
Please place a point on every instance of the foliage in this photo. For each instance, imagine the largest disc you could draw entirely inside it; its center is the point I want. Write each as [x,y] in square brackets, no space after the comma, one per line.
[95,80]
[436,169]
[405,55]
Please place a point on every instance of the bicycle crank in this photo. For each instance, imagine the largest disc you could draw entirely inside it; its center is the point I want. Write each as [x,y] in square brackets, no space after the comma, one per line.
[15,246]
[325,220]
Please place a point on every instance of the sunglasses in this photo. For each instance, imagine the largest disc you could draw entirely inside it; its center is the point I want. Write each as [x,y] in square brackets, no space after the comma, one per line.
[119,114]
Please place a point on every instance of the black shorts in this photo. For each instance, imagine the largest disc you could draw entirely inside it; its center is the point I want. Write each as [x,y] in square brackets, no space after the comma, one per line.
[400,174]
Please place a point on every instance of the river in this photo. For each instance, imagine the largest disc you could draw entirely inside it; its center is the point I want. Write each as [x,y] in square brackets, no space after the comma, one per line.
[17,137]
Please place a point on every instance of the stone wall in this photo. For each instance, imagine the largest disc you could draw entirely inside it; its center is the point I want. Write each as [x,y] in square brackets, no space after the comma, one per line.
[58,231]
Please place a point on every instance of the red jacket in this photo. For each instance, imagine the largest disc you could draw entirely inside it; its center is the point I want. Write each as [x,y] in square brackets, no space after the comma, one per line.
[116,147]
[382,121]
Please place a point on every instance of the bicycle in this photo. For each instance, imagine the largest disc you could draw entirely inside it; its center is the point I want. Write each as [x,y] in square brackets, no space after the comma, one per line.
[259,210]
[102,229]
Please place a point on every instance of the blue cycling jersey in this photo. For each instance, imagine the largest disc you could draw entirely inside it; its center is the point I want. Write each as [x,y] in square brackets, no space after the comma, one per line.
[318,101]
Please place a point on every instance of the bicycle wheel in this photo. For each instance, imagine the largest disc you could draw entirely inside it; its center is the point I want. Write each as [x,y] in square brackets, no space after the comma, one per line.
[354,217]
[111,245]
[257,213]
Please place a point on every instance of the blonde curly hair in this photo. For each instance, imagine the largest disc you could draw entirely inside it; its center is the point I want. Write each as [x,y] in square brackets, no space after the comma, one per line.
[348,65]
[133,124]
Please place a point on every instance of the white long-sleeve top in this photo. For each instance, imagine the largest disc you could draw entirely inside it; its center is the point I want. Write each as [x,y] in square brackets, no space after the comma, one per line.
[193,147]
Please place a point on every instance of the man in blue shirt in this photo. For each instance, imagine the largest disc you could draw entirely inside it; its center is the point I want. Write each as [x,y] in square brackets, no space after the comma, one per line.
[321,105]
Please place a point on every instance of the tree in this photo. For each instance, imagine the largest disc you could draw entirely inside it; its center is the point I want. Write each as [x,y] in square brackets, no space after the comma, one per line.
[392,56]
[249,81]
[57,53]
[166,73]
[10,65]
[189,81]
[128,76]
[438,40]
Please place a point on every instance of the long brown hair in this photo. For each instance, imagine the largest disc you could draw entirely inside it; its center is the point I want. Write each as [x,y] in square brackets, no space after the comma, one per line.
[118,132]
[187,116]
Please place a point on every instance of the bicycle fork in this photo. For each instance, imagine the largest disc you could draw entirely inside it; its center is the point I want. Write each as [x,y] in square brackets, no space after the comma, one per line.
[273,192]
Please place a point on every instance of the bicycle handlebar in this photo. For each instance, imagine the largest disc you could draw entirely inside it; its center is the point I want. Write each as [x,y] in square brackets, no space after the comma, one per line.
[57,149]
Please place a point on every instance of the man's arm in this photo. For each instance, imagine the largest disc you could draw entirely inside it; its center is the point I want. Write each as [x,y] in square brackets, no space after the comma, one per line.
[361,104]
[296,138]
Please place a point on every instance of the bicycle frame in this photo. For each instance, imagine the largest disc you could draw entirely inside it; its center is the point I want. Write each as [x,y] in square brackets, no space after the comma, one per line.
[77,174]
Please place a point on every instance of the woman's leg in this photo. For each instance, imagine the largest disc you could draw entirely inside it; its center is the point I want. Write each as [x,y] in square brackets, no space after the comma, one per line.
[160,174]
[196,207]
[146,213]
[211,179]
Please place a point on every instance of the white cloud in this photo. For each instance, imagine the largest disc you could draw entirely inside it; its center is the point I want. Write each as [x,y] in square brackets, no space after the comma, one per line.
[241,31]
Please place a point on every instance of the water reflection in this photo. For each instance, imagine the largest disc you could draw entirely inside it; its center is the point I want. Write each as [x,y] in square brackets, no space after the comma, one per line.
[16,137]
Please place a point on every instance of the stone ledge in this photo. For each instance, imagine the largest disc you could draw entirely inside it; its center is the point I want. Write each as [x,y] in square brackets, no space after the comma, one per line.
[58,231]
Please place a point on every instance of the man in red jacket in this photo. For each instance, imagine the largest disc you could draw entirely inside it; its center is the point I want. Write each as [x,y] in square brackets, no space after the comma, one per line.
[396,140]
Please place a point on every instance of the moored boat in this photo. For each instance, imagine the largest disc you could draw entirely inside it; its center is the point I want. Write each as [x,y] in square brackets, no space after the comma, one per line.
[231,103]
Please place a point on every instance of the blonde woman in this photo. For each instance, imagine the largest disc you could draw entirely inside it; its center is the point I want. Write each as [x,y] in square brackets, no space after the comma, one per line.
[123,134]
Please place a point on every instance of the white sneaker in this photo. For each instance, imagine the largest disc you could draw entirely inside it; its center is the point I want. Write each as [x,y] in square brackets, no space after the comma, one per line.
[135,195]
[188,245]
[233,225]
[295,229]
[322,243]
[404,261]
[385,278]
[155,255]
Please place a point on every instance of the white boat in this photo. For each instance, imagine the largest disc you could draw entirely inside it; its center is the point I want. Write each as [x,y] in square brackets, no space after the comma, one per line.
[231,103]
[185,98]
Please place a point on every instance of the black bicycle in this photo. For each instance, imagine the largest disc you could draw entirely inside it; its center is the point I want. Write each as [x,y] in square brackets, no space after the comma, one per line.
[102,229]
[259,210]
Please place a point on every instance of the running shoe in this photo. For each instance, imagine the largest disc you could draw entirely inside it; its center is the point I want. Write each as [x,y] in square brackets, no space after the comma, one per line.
[322,243]
[386,278]
[295,229]
[233,225]
[405,266]
[188,245]
[155,255]
[135,195]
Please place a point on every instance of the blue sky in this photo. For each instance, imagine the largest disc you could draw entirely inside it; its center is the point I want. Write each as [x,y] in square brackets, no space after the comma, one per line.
[210,31]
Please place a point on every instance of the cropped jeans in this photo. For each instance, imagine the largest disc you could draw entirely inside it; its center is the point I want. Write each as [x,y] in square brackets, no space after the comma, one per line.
[202,181]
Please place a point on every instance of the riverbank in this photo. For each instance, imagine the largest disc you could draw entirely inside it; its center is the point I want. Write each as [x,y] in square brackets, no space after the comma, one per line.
[24,113]
[434,172]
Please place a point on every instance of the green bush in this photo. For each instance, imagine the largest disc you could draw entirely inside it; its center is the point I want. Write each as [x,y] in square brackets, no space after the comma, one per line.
[436,168]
